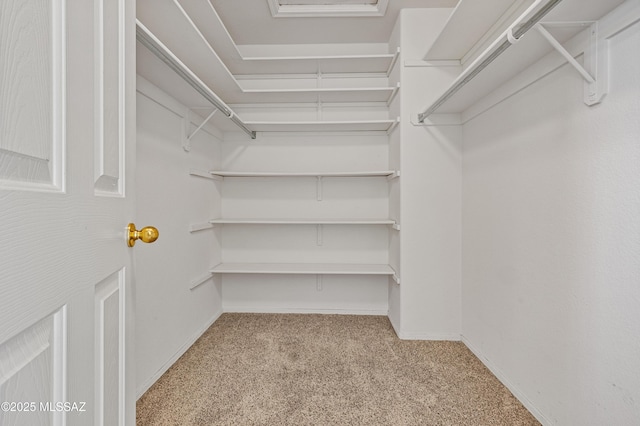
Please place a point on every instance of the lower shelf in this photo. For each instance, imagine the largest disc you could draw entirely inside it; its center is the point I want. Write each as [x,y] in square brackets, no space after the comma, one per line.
[303,268]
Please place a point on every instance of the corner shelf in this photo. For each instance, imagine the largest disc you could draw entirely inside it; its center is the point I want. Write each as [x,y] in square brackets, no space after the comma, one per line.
[303,269]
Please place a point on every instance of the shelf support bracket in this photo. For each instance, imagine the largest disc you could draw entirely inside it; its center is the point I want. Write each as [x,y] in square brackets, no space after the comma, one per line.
[319,188]
[594,69]
[186,141]
[319,235]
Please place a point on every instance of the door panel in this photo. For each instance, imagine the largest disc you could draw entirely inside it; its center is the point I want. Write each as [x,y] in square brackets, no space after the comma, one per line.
[110,345]
[30,364]
[32,94]
[110,86]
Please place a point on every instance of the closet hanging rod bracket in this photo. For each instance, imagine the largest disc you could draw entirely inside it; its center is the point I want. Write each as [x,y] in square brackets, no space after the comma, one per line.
[496,49]
[594,69]
[186,141]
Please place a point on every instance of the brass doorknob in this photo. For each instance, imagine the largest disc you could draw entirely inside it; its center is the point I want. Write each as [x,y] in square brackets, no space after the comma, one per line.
[148,234]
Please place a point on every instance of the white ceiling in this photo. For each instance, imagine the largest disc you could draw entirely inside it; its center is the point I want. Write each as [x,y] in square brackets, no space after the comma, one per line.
[251,22]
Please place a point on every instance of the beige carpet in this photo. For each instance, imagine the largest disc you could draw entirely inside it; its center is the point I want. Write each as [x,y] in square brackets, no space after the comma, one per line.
[265,369]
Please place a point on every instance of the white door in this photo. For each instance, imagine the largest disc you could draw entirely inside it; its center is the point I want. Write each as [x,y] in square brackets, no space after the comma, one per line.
[67,129]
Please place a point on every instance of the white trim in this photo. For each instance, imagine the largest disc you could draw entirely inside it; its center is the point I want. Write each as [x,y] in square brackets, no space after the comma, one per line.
[506,382]
[60,363]
[327,10]
[188,343]
[414,335]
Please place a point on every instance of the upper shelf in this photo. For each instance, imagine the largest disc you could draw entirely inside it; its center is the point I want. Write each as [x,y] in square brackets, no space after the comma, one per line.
[187,27]
[321,126]
[375,63]
[516,59]
[325,95]
[206,19]
[470,23]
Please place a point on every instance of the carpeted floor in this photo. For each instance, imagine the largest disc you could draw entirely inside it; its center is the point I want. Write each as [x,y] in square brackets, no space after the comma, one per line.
[266,369]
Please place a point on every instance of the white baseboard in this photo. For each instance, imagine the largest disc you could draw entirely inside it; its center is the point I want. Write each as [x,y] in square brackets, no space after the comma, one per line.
[423,336]
[428,336]
[505,381]
[147,384]
[276,310]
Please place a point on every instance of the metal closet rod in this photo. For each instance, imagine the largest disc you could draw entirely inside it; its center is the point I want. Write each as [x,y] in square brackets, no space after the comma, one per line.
[156,47]
[512,38]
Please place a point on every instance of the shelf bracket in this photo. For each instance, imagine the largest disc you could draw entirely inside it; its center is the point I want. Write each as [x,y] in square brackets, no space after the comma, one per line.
[318,282]
[594,69]
[394,175]
[200,280]
[319,235]
[186,140]
[205,175]
[195,227]
[396,55]
[393,93]
[319,188]
[393,126]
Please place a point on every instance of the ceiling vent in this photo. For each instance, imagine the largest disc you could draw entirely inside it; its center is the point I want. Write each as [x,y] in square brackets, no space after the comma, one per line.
[327,8]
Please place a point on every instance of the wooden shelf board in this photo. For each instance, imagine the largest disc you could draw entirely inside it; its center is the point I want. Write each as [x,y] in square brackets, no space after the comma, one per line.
[303,268]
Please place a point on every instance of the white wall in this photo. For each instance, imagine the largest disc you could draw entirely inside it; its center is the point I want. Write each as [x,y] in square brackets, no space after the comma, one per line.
[296,198]
[170,316]
[551,243]
[430,186]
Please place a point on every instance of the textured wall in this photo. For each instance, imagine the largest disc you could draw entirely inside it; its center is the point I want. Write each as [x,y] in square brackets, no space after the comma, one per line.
[170,316]
[551,243]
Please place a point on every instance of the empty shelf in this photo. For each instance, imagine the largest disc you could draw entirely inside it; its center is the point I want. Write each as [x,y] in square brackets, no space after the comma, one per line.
[325,95]
[303,221]
[303,268]
[321,126]
[383,173]
[380,63]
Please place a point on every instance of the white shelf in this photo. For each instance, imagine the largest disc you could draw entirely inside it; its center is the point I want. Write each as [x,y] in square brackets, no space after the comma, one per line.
[321,126]
[325,95]
[469,22]
[381,173]
[521,56]
[208,22]
[316,64]
[256,221]
[303,268]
